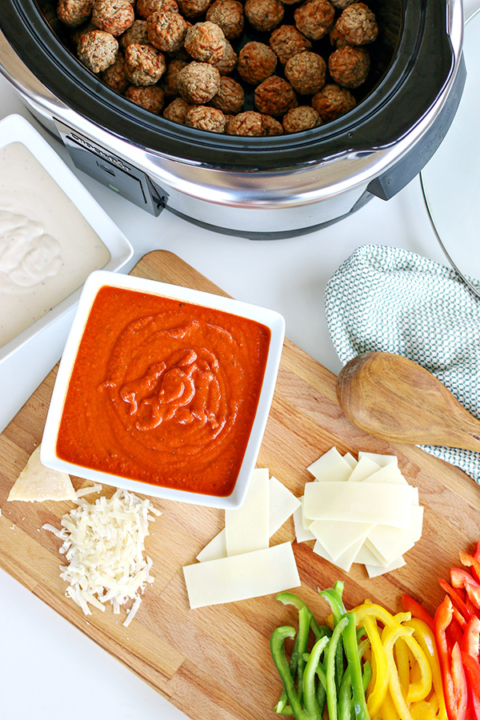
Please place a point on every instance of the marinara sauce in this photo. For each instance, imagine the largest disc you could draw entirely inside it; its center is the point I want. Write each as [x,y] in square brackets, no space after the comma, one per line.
[163,391]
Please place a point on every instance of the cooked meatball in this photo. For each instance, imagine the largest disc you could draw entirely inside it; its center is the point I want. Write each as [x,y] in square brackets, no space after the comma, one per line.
[357,25]
[248,123]
[230,97]
[333,102]
[137,33]
[144,65]
[74,12]
[306,72]
[97,50]
[150,98]
[147,7]
[227,63]
[205,118]
[315,18]
[256,62]
[192,8]
[342,4]
[272,126]
[301,118]
[176,111]
[166,30]
[274,96]
[264,15]
[113,16]
[115,76]
[286,42]
[336,39]
[227,14]
[198,83]
[205,42]
[349,66]
[169,79]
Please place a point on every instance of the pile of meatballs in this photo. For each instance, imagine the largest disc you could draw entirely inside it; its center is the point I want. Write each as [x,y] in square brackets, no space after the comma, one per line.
[193,61]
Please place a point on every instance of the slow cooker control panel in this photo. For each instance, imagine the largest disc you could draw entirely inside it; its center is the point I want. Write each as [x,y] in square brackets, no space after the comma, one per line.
[118,175]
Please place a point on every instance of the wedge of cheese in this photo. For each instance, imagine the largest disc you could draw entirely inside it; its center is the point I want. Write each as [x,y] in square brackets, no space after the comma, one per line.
[37,483]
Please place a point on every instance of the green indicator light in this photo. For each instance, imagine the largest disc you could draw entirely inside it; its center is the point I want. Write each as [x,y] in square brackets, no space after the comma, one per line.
[112,187]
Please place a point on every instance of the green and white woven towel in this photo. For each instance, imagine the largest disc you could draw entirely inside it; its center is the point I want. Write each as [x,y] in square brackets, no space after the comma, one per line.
[384,298]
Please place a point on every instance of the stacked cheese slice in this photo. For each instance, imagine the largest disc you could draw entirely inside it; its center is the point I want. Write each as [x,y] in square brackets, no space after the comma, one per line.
[238,563]
[359,512]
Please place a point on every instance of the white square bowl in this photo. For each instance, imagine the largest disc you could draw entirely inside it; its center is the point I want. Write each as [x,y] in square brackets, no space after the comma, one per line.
[15,129]
[273,320]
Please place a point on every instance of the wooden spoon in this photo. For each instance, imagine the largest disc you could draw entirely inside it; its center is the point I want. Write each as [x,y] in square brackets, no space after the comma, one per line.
[393,398]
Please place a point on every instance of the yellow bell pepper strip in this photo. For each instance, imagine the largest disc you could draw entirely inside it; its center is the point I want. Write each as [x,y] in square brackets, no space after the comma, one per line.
[412,692]
[331,669]
[389,711]
[380,687]
[390,638]
[376,611]
[426,639]
[351,651]
[423,711]
[403,665]
[277,648]
[310,698]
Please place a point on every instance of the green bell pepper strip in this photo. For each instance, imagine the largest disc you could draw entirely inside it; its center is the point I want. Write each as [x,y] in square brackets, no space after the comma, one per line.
[367,675]
[277,648]
[297,662]
[334,598]
[290,599]
[345,696]
[310,698]
[331,668]
[351,651]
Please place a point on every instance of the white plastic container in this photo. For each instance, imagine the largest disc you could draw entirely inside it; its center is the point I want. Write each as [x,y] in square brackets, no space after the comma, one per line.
[273,320]
[15,129]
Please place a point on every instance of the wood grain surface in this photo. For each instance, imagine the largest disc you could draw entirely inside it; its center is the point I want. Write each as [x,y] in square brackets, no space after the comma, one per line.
[214,663]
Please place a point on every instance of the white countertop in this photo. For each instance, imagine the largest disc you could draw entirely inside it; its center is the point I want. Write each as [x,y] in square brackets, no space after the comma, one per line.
[44,657]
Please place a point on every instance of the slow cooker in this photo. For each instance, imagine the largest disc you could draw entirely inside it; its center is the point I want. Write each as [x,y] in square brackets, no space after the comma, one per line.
[253,187]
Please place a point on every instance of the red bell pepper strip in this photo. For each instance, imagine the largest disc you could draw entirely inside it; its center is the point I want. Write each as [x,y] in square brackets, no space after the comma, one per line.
[463,579]
[443,618]
[472,672]
[476,554]
[454,633]
[412,606]
[456,599]
[469,561]
[459,683]
[471,638]
[459,618]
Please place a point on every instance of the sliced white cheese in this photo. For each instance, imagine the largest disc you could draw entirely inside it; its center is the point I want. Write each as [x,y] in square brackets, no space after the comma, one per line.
[302,534]
[240,577]
[366,557]
[331,467]
[247,528]
[371,503]
[350,460]
[388,474]
[216,548]
[337,537]
[416,524]
[37,483]
[364,469]
[375,570]
[283,504]
[388,543]
[381,460]
[345,561]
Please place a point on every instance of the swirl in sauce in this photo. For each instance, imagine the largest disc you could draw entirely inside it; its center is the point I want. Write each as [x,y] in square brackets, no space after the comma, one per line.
[163,391]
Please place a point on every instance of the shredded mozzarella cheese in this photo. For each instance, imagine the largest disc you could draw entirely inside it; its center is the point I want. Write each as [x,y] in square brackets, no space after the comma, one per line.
[104,544]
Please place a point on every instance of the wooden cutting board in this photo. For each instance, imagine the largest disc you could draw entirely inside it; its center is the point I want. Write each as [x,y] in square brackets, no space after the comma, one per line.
[214,663]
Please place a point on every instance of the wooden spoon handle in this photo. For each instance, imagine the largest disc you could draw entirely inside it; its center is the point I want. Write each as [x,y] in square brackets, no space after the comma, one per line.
[393,398]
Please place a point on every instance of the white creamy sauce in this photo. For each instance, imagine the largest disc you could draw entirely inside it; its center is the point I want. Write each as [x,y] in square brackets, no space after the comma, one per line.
[47,248]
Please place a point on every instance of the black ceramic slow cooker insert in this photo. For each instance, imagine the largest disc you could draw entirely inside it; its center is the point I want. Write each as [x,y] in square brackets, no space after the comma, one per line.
[281,185]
